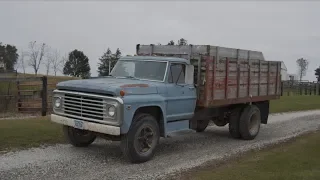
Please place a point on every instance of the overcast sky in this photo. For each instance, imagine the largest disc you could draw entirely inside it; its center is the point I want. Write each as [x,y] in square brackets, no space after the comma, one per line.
[282,31]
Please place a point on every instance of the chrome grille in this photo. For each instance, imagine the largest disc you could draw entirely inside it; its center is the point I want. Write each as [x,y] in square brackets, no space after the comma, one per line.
[84,107]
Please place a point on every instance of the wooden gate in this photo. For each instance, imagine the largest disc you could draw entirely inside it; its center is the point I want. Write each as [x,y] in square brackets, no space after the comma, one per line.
[35,94]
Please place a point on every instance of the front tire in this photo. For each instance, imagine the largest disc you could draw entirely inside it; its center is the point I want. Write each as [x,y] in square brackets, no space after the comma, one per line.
[139,144]
[78,137]
[250,121]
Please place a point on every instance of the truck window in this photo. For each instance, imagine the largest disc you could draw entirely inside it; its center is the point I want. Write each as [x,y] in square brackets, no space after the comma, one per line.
[177,73]
[150,70]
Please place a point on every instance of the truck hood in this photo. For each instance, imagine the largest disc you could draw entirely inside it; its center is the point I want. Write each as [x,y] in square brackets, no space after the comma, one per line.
[110,86]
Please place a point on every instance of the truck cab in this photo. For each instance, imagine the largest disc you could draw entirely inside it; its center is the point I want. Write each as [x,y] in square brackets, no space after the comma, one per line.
[144,97]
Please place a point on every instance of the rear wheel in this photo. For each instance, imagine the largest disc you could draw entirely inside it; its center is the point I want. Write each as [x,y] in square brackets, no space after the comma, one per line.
[250,121]
[78,137]
[139,144]
[234,122]
[202,125]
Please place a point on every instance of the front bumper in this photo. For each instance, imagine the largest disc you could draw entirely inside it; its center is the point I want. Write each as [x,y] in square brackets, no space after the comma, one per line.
[95,127]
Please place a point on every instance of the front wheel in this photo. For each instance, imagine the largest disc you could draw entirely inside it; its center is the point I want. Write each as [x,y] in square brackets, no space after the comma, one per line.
[139,144]
[78,137]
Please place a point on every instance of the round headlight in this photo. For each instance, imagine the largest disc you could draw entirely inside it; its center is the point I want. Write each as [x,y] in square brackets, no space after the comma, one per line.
[112,111]
[57,102]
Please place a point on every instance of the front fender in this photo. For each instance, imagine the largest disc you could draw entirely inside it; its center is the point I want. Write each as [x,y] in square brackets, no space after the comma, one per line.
[133,102]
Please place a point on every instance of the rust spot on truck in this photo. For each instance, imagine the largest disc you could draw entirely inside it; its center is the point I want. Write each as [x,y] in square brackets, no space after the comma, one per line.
[134,85]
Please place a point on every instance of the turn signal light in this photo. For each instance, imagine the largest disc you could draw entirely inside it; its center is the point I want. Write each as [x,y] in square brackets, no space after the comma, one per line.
[122,93]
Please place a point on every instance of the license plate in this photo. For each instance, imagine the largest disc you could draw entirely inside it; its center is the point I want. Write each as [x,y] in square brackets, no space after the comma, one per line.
[78,124]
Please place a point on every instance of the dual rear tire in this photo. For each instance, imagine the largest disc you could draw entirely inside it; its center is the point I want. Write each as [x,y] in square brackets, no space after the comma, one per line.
[245,122]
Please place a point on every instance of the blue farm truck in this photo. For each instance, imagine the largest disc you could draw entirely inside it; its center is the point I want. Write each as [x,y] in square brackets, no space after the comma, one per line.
[168,88]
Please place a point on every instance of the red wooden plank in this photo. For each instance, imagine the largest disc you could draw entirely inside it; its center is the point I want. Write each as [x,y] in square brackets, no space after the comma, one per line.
[238,79]
[227,79]
[249,78]
[259,77]
[268,78]
[209,79]
[277,79]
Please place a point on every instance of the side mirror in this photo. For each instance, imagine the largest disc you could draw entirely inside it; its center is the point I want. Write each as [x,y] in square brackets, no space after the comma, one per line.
[189,74]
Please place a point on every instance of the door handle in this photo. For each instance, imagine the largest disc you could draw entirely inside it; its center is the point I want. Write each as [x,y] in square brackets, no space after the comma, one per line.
[191,88]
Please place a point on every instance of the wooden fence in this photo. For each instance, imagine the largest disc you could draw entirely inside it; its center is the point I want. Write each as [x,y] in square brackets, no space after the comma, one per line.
[296,88]
[34,94]
[26,95]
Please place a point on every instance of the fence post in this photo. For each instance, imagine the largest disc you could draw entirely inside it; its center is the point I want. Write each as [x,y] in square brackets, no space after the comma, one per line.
[300,89]
[310,89]
[282,88]
[305,90]
[44,95]
[18,96]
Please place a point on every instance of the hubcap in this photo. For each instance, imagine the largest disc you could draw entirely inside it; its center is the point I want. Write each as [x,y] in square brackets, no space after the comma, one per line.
[145,139]
[254,124]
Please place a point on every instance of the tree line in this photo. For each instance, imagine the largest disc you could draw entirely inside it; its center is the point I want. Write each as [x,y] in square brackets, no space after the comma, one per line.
[76,63]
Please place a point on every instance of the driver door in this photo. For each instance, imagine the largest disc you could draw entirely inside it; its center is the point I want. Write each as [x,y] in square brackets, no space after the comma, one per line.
[181,97]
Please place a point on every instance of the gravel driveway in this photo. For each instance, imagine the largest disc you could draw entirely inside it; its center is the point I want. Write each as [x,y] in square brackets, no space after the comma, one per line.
[184,150]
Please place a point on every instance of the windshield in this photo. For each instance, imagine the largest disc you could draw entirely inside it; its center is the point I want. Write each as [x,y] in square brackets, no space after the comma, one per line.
[151,70]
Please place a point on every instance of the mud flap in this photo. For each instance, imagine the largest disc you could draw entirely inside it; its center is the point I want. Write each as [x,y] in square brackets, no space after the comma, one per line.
[264,111]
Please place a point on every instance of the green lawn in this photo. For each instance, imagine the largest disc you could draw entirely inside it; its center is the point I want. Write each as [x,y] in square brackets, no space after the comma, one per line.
[21,134]
[297,160]
[26,133]
[295,103]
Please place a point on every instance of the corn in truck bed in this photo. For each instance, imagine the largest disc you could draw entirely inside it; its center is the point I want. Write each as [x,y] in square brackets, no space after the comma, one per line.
[225,76]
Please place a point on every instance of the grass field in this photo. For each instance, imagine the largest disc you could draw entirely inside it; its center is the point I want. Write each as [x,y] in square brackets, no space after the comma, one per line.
[296,160]
[295,103]
[19,134]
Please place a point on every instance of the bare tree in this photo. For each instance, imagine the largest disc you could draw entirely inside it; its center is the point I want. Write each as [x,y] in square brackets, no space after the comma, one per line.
[36,55]
[64,59]
[47,60]
[302,67]
[56,61]
[21,61]
[47,65]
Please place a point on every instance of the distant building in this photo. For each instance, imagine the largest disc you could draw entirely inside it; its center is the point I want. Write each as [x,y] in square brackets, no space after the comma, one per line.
[285,76]
[284,72]
[293,77]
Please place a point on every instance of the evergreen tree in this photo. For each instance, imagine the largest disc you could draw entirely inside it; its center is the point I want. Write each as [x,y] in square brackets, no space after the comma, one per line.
[182,41]
[105,61]
[171,42]
[115,57]
[77,65]
[8,55]
[317,73]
